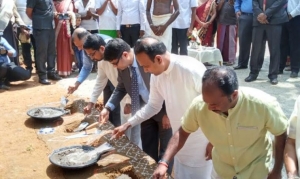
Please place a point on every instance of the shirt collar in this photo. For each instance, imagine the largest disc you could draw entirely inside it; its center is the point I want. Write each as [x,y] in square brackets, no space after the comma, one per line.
[238,104]
[170,67]
[134,64]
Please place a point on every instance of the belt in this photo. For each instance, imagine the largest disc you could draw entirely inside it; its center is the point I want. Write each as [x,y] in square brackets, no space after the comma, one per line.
[130,25]
[248,14]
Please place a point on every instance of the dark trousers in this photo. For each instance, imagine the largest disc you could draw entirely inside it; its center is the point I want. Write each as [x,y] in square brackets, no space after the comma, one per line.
[245,39]
[12,72]
[290,44]
[284,46]
[11,38]
[114,116]
[45,51]
[155,139]
[131,33]
[273,34]
[179,37]
[26,52]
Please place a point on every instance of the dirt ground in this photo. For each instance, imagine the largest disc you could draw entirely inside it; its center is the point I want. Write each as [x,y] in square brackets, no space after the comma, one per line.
[22,154]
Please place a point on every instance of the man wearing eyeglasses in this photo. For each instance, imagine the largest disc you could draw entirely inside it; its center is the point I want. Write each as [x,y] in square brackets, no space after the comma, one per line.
[132,80]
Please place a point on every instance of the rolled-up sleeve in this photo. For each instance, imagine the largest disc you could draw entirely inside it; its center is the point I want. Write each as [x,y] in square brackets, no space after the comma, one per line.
[8,47]
[189,120]
[86,68]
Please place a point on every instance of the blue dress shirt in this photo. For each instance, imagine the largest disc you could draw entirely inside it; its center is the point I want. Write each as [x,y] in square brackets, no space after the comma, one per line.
[8,47]
[243,6]
[88,63]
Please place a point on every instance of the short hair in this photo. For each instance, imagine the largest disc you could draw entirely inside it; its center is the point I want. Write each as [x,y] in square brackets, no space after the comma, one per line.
[223,77]
[78,16]
[80,33]
[115,48]
[152,48]
[93,41]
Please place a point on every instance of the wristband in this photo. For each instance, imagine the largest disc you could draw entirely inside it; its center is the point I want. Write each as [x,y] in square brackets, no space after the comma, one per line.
[164,164]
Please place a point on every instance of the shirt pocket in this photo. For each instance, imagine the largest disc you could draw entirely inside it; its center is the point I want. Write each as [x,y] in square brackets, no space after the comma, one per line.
[246,135]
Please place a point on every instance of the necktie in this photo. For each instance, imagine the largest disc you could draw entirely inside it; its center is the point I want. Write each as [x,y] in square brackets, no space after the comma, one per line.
[135,100]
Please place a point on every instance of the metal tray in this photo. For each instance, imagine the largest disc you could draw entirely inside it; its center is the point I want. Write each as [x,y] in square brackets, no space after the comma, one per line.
[46,113]
[54,158]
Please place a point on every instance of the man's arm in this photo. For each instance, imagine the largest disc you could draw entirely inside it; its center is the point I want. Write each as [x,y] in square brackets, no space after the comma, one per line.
[11,52]
[279,150]
[119,18]
[237,6]
[275,7]
[175,144]
[189,32]
[256,8]
[290,158]
[29,12]
[142,10]
[29,7]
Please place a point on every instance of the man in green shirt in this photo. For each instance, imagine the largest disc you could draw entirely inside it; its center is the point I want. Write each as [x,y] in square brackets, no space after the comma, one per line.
[236,121]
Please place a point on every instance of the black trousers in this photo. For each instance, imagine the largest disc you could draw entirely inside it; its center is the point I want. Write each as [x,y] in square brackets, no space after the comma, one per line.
[245,39]
[45,51]
[12,72]
[179,37]
[290,44]
[114,116]
[131,33]
[155,140]
[273,34]
[284,46]
[26,52]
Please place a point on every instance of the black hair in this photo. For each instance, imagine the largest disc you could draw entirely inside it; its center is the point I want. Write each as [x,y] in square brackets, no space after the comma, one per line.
[152,49]
[94,41]
[115,48]
[223,77]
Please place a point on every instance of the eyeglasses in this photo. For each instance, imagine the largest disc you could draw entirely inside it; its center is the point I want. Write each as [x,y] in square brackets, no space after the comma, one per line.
[92,54]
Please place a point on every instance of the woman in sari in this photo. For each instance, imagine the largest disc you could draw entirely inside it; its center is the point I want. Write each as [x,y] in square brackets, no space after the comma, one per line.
[63,36]
[205,15]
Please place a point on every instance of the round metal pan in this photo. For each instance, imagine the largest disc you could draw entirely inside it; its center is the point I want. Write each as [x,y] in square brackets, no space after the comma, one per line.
[46,113]
[56,159]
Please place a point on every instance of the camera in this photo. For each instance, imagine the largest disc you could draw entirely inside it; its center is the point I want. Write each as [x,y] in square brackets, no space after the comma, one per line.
[63,16]
[3,51]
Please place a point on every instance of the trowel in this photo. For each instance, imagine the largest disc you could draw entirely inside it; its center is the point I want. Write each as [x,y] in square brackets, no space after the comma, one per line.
[64,100]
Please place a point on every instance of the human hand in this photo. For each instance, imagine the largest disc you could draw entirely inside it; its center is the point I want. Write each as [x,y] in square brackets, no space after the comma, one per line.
[160,30]
[119,34]
[154,29]
[189,32]
[274,175]
[142,33]
[160,172]
[205,25]
[71,51]
[208,151]
[120,131]
[88,14]
[166,122]
[88,108]
[290,16]
[262,18]
[238,14]
[127,108]
[71,89]
[104,115]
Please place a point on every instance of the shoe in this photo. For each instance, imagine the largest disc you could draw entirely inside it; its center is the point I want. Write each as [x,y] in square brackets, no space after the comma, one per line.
[54,77]
[287,68]
[44,82]
[250,78]
[228,63]
[274,81]
[239,67]
[294,74]
[4,87]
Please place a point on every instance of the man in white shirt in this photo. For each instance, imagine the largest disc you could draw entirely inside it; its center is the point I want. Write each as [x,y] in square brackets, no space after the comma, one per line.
[177,80]
[183,25]
[290,39]
[131,19]
[107,11]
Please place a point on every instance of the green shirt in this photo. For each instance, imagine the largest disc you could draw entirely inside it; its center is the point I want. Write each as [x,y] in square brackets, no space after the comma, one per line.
[242,147]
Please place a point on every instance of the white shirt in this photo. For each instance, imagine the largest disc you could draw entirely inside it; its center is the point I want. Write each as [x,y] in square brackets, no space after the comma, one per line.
[293,7]
[90,24]
[131,12]
[183,21]
[106,72]
[21,7]
[177,86]
[107,20]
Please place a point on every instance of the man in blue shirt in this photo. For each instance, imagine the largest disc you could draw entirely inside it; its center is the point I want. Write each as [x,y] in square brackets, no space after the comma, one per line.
[244,14]
[9,71]
[79,37]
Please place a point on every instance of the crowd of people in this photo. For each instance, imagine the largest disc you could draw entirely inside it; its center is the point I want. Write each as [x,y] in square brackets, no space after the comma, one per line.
[193,121]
